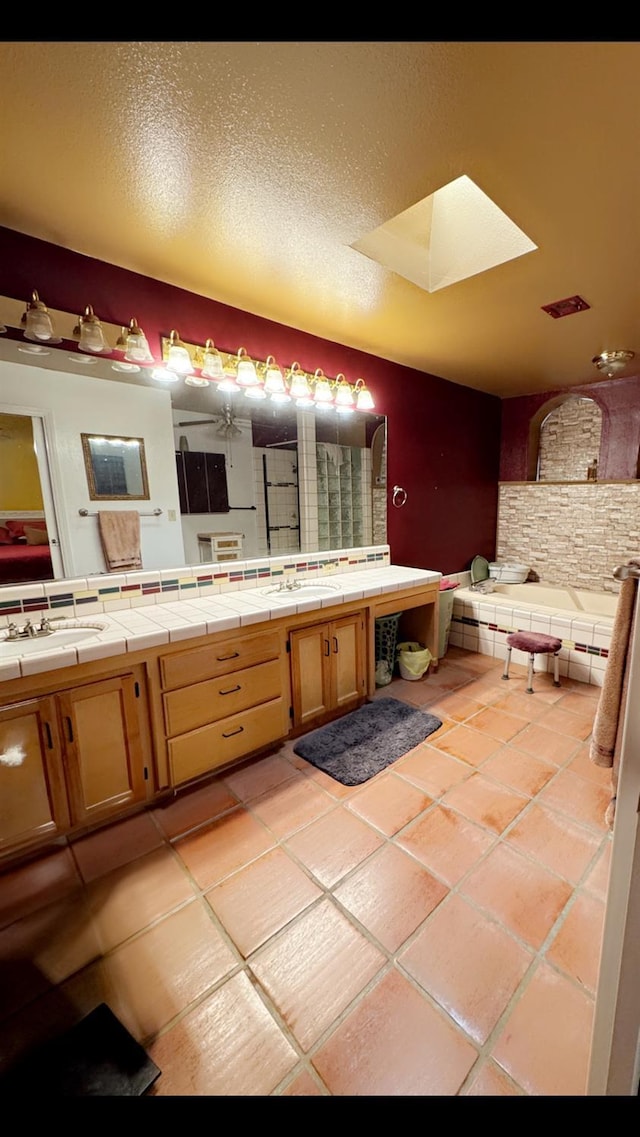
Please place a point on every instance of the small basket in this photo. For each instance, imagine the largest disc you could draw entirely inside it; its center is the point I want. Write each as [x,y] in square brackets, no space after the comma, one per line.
[386,637]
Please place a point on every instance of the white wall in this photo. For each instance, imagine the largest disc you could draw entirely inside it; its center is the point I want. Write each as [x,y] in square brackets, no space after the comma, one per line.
[74,404]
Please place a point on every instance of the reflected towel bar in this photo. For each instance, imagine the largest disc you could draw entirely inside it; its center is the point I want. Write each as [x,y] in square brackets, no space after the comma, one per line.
[85,513]
[624,571]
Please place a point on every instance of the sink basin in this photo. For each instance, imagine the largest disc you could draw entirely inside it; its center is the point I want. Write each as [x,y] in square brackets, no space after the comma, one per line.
[60,637]
[304,592]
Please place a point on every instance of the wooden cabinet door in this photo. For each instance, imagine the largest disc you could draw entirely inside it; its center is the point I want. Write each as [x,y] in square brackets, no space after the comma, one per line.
[33,799]
[327,669]
[310,674]
[347,661]
[103,748]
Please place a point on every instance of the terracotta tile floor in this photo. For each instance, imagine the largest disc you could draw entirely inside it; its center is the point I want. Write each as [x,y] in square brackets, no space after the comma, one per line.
[435,931]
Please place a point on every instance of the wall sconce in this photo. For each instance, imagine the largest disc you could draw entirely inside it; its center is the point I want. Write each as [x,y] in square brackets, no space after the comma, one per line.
[246,374]
[274,384]
[364,398]
[322,393]
[134,344]
[299,386]
[344,401]
[178,358]
[213,367]
[89,332]
[37,322]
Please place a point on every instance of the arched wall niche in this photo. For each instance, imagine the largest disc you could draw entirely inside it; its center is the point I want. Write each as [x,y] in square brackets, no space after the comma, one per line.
[565,438]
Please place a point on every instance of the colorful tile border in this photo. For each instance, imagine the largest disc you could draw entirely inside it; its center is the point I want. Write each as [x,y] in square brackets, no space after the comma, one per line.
[214,578]
[569,645]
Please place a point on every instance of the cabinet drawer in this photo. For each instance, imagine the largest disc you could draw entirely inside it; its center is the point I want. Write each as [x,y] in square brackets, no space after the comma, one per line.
[202,750]
[185,667]
[213,699]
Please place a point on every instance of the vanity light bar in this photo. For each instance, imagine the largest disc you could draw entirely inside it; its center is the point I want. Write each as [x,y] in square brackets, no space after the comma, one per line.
[361,398]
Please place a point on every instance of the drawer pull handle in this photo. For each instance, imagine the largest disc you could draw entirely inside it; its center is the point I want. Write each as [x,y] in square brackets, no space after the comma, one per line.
[335,645]
[232,732]
[222,658]
[231,690]
[327,648]
[69,728]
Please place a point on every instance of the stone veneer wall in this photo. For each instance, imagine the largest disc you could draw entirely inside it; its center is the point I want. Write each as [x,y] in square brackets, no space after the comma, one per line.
[379,515]
[570,533]
[569,440]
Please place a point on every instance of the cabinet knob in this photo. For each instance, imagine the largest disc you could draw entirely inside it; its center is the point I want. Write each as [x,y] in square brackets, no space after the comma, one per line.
[13,756]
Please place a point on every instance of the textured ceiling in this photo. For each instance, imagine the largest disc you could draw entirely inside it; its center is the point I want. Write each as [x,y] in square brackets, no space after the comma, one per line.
[247,171]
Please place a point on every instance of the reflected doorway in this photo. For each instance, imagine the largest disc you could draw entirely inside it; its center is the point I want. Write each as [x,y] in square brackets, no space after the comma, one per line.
[29,544]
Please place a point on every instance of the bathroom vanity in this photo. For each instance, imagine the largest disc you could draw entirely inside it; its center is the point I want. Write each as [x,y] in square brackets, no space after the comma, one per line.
[93,731]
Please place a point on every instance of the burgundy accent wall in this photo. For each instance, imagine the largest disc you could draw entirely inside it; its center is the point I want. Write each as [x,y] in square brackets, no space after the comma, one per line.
[619,401]
[443,439]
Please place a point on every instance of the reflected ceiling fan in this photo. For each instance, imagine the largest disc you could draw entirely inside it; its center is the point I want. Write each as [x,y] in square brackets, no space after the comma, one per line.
[226,423]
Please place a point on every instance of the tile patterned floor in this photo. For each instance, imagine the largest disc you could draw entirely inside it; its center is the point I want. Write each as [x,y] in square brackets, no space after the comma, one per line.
[435,931]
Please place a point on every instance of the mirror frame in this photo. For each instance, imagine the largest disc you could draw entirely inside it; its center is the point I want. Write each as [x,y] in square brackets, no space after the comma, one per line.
[91,474]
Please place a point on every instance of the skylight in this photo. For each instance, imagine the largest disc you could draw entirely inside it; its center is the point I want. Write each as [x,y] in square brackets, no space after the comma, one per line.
[455,233]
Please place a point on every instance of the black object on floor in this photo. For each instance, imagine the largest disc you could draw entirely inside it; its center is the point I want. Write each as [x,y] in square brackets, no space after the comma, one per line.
[95,1058]
[356,747]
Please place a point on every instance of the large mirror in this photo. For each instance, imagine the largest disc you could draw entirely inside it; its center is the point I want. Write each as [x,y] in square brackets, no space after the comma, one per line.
[296,480]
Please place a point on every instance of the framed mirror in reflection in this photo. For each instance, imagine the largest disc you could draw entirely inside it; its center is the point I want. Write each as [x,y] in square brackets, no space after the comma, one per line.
[116,468]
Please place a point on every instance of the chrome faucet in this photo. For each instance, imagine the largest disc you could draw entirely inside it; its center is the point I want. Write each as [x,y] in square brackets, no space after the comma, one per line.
[288,585]
[28,631]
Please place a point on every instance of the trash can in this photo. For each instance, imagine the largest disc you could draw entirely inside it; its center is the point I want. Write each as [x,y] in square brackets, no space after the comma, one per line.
[413,660]
[445,611]
[386,636]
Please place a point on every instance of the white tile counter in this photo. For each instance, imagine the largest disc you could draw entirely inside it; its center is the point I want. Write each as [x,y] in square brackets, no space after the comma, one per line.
[136,629]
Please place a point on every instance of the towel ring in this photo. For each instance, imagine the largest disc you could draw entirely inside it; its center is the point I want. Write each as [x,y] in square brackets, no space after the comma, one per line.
[399,496]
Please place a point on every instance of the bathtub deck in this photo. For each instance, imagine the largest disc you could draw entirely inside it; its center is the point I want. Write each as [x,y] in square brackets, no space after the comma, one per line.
[481,622]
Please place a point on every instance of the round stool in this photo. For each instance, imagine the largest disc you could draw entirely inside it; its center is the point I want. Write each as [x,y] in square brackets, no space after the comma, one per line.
[535,643]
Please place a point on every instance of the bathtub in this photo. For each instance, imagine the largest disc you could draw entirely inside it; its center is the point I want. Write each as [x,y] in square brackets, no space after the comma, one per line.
[582,620]
[559,596]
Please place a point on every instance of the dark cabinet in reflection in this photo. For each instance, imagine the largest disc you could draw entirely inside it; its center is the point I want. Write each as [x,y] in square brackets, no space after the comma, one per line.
[202,482]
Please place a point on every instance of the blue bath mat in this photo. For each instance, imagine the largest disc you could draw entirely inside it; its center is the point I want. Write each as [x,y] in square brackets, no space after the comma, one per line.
[356,747]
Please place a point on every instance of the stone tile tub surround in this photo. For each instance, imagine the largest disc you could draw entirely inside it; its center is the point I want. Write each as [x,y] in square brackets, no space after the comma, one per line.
[481,622]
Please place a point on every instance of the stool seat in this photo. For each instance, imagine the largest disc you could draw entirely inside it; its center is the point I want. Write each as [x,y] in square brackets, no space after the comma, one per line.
[534,643]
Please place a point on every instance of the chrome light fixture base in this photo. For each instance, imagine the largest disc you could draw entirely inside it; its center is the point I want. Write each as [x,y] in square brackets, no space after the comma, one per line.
[612,362]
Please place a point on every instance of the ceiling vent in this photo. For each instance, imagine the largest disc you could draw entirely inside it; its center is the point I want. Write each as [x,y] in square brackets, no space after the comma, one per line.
[566,307]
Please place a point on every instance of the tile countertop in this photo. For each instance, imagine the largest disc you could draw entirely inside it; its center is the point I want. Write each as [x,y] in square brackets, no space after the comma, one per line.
[136,629]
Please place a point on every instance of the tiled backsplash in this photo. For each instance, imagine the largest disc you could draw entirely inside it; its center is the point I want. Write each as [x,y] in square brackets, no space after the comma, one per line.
[107,593]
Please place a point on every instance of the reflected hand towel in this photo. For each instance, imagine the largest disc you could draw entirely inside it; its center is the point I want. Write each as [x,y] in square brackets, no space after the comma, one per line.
[120,537]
